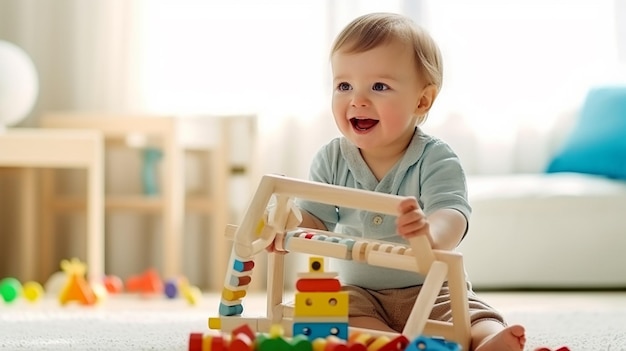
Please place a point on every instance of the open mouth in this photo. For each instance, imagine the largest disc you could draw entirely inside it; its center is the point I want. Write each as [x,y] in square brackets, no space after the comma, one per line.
[363,124]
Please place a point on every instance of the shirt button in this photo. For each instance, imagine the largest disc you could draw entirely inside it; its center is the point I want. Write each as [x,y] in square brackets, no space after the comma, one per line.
[378,220]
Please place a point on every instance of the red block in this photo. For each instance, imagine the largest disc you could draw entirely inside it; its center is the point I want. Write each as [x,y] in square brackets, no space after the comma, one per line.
[318,285]
[245,330]
[241,342]
[195,342]
[333,343]
[400,342]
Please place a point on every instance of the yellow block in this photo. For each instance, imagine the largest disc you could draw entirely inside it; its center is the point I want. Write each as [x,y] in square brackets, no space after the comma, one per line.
[233,295]
[316,264]
[207,340]
[320,304]
[378,343]
[215,323]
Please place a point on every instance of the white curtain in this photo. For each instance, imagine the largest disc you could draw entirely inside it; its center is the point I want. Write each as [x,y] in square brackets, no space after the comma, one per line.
[513,71]
[516,72]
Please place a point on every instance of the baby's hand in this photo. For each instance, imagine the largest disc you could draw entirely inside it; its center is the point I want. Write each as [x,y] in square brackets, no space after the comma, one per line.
[412,221]
[273,249]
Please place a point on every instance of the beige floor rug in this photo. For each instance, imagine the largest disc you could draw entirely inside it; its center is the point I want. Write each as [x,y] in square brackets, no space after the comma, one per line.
[581,321]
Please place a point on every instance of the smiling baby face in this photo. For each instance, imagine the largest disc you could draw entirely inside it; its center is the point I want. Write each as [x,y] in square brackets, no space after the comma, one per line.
[378,95]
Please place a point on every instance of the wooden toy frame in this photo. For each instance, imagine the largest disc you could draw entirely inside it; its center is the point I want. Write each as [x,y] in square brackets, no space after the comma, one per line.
[258,231]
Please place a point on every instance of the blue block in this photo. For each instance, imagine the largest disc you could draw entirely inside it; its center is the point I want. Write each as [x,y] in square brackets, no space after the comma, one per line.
[234,310]
[314,330]
[348,242]
[425,343]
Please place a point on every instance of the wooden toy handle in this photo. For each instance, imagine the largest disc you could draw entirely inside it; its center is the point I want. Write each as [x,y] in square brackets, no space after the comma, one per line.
[249,241]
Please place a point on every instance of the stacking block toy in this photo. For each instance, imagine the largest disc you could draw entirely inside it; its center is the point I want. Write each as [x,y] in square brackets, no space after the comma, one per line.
[321,308]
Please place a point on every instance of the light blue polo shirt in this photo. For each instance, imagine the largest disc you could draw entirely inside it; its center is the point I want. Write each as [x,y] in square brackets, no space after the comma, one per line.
[429,170]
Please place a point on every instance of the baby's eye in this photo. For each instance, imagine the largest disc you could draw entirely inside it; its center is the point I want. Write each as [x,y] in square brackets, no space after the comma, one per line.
[343,86]
[378,86]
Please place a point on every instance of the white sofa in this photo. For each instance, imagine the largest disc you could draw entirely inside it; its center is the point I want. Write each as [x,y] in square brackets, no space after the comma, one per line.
[557,230]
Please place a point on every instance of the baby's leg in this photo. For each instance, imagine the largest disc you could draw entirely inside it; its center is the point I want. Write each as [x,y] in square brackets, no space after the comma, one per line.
[366,310]
[370,323]
[490,335]
[488,331]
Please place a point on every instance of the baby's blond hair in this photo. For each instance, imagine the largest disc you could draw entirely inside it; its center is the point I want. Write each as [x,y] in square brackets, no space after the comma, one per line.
[371,30]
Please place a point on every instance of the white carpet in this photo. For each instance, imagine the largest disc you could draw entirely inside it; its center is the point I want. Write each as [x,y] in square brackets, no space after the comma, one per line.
[581,321]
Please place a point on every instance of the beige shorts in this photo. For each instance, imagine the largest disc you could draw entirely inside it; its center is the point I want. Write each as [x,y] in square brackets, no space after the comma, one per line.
[393,306]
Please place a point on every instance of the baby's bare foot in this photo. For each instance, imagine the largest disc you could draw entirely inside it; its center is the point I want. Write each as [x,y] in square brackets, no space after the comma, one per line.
[511,338]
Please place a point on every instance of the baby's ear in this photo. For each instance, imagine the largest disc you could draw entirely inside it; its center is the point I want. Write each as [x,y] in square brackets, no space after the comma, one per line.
[426,100]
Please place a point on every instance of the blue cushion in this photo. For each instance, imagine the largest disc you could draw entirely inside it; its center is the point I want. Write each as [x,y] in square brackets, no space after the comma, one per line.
[597,144]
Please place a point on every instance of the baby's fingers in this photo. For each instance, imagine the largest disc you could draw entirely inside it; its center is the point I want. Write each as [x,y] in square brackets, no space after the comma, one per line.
[408,204]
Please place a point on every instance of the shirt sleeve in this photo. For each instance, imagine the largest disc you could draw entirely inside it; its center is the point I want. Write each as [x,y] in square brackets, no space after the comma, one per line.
[443,181]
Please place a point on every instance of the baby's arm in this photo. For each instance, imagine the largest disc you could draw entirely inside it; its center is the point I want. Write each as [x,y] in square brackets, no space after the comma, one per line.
[311,222]
[308,221]
[444,227]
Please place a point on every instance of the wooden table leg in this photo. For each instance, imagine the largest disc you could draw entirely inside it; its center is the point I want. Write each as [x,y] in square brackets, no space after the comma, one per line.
[28,215]
[95,216]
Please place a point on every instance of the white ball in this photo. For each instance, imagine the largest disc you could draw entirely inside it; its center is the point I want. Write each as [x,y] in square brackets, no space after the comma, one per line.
[55,284]
[19,84]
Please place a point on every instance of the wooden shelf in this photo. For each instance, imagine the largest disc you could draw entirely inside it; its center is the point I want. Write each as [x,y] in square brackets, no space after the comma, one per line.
[134,203]
[137,203]
[200,204]
[208,139]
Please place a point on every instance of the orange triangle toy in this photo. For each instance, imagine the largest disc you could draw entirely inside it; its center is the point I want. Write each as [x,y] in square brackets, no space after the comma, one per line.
[76,288]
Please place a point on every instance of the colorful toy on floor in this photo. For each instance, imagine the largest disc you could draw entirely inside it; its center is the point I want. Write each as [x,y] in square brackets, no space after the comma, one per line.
[261,229]
[240,339]
[190,293]
[113,284]
[243,338]
[181,287]
[32,291]
[55,283]
[11,290]
[171,288]
[147,283]
[380,343]
[76,287]
[432,344]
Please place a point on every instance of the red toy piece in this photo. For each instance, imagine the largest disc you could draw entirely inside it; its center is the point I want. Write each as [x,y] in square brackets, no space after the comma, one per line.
[147,283]
[113,284]
[318,285]
[195,342]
